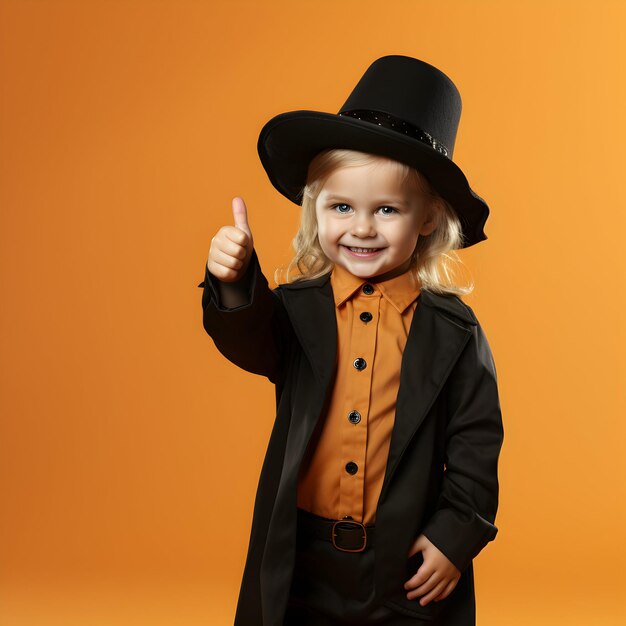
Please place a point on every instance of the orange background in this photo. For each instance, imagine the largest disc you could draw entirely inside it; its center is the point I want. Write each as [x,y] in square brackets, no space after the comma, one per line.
[130,448]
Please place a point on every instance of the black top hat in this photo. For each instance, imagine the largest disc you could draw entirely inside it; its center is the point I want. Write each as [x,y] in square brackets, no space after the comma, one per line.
[401,108]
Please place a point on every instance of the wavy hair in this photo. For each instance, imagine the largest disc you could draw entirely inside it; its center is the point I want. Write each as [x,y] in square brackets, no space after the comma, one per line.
[434,256]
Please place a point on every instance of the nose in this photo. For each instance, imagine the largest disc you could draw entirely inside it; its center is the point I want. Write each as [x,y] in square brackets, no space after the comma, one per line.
[363,225]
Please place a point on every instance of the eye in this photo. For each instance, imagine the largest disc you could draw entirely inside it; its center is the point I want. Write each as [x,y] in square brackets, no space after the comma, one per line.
[391,211]
[334,206]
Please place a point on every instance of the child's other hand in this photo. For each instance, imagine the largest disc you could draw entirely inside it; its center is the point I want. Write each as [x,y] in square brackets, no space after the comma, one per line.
[231,247]
[436,577]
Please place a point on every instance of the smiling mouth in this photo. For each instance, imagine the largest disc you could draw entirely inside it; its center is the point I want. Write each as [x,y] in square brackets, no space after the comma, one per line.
[355,249]
[362,251]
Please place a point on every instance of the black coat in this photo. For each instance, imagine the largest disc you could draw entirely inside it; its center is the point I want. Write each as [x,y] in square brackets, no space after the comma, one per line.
[441,476]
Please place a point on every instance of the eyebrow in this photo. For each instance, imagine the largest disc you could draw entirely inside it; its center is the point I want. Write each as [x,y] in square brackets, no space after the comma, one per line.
[335,198]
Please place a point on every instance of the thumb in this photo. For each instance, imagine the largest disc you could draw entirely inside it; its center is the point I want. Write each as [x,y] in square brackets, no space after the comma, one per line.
[240,215]
[419,544]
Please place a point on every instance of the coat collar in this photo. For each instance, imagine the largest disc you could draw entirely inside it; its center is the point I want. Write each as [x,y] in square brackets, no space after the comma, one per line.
[440,329]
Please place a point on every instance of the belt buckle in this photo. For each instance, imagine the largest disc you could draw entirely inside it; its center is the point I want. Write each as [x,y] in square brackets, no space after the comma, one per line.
[333,535]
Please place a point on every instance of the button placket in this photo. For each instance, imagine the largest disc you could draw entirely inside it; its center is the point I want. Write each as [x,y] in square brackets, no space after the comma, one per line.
[366,304]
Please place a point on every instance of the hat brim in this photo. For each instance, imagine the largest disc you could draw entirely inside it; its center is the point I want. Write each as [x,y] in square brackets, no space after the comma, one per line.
[289,141]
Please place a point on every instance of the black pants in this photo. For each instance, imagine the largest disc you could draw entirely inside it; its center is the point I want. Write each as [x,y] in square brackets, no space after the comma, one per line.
[335,588]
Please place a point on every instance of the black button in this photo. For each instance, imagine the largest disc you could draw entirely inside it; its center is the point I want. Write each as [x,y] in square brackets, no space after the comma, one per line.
[352,467]
[366,317]
[368,290]
[360,363]
[354,417]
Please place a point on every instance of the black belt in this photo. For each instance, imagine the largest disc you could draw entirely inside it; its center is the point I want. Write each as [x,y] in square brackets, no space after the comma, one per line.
[345,534]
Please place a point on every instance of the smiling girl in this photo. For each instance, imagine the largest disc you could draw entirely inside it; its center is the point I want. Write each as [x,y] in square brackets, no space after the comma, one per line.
[379,485]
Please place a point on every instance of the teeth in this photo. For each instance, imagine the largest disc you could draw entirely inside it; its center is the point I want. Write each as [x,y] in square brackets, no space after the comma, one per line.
[364,249]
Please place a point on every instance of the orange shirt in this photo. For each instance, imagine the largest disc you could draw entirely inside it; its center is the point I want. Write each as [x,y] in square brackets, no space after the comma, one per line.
[344,473]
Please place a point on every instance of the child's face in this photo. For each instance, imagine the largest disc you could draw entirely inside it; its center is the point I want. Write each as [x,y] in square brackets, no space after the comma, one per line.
[367,207]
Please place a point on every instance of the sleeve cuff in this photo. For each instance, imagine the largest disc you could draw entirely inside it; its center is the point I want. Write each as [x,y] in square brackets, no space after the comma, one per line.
[459,536]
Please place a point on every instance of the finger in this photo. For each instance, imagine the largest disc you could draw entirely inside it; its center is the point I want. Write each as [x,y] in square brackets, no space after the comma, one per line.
[421,578]
[226,260]
[430,584]
[447,591]
[233,233]
[433,593]
[240,215]
[222,272]
[234,248]
[423,573]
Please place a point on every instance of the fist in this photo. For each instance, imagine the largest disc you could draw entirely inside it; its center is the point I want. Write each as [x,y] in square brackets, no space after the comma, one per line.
[231,247]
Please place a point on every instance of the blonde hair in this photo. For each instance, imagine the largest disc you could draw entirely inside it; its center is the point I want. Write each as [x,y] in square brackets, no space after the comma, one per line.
[434,255]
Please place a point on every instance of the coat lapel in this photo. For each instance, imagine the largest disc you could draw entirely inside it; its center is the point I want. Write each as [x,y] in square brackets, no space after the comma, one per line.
[437,336]
[311,309]
[440,328]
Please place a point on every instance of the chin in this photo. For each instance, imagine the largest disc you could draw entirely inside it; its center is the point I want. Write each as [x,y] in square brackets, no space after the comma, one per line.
[362,274]
[365,273]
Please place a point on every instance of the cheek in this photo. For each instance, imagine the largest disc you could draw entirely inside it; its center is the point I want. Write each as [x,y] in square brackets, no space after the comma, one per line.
[326,233]
[406,246]
[322,237]
[400,239]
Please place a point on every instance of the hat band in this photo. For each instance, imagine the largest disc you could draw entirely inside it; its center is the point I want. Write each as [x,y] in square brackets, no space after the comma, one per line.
[398,125]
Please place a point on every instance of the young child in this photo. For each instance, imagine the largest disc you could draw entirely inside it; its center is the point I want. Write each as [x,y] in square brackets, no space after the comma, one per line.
[379,484]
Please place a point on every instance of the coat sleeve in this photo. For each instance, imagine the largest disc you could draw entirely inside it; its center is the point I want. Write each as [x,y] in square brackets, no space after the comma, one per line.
[254,336]
[463,522]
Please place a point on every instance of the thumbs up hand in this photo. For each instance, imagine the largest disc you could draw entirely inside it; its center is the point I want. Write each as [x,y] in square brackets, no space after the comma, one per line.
[231,247]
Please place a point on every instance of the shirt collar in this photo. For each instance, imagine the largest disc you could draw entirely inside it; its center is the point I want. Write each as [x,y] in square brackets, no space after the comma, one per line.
[400,291]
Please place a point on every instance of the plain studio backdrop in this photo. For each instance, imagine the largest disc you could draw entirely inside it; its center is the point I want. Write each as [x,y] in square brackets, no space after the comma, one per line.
[126,127]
